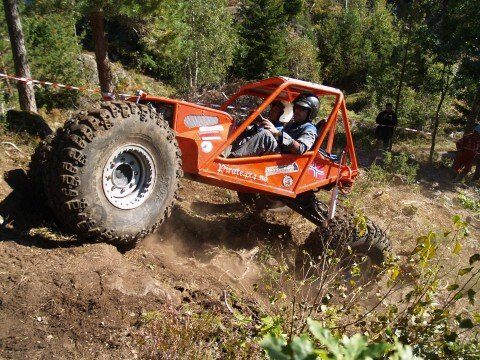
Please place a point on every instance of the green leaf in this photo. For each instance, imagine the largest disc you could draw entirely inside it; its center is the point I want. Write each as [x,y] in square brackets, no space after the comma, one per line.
[458,296]
[403,352]
[471,296]
[457,248]
[474,258]
[395,271]
[324,336]
[274,347]
[417,249]
[302,348]
[376,350]
[466,324]
[476,318]
[421,239]
[456,219]
[464,271]
[354,346]
[453,287]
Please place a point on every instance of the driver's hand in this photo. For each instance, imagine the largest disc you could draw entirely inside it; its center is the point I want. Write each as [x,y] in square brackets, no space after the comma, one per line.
[267,124]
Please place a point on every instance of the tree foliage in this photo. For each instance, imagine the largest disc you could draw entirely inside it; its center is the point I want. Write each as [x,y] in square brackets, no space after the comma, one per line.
[191,43]
[355,44]
[397,49]
[55,54]
[263,50]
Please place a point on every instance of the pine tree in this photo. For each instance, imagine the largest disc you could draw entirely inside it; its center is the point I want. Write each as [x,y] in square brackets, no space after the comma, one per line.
[97,10]
[263,48]
[97,22]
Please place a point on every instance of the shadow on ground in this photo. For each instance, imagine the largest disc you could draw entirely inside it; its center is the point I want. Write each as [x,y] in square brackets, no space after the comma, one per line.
[28,221]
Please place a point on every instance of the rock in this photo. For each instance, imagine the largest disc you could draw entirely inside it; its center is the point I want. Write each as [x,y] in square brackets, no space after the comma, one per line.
[29,122]
[88,65]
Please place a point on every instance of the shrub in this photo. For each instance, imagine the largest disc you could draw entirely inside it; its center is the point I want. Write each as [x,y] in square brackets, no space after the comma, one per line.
[53,54]
[422,304]
[194,333]
[468,202]
[356,347]
[400,166]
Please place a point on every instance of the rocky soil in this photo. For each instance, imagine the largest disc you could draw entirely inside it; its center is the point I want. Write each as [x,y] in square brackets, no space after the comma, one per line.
[61,298]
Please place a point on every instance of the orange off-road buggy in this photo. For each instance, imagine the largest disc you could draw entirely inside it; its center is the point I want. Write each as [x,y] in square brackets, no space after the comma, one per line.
[112,172]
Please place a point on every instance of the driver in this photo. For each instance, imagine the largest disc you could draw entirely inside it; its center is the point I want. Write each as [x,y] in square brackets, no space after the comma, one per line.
[280,113]
[297,137]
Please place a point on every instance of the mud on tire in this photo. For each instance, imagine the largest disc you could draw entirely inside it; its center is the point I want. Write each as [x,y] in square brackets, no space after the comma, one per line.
[113,172]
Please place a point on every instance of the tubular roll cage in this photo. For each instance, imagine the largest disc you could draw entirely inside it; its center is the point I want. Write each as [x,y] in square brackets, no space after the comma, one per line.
[288,89]
[277,88]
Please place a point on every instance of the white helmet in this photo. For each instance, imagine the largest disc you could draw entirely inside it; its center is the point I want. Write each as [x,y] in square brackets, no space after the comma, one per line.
[287,112]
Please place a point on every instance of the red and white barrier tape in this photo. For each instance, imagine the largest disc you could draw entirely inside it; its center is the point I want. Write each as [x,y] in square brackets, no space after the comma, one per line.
[110,96]
[62,86]
[123,96]
[414,130]
[48,83]
[397,127]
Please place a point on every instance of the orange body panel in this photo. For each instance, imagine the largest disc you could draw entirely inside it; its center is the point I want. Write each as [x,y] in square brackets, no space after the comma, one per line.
[203,133]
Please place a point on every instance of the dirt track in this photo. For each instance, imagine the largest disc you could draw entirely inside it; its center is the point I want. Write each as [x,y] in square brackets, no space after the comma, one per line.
[60,298]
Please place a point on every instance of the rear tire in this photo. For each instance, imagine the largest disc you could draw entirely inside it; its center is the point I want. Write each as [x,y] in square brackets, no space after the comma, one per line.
[343,236]
[113,173]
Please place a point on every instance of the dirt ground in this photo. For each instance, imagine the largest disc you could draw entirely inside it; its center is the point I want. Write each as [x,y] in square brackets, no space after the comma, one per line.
[61,298]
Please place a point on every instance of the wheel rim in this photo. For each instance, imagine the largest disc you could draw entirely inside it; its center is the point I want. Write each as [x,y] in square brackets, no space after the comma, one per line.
[129,176]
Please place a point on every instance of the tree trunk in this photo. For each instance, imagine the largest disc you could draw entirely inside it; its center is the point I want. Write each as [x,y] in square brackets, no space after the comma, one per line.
[445,88]
[472,117]
[403,69]
[97,22]
[25,90]
[404,63]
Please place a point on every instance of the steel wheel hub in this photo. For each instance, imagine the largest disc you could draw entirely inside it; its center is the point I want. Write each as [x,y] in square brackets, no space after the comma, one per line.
[129,176]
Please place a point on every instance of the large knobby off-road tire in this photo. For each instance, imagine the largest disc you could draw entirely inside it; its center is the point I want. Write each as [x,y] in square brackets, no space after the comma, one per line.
[342,234]
[37,170]
[112,173]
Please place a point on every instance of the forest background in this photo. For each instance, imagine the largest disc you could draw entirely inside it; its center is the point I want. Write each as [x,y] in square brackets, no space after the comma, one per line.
[421,55]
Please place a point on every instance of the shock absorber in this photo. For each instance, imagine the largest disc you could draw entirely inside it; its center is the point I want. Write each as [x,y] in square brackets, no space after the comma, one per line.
[332,206]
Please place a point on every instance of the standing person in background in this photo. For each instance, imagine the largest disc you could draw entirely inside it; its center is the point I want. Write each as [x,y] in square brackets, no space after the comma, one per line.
[386,120]
[467,148]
